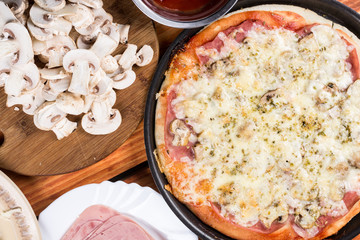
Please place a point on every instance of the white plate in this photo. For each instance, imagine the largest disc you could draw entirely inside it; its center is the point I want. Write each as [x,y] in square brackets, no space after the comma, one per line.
[142,204]
[16,211]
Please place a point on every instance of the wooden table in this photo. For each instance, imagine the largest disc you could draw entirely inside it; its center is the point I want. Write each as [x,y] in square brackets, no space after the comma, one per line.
[129,160]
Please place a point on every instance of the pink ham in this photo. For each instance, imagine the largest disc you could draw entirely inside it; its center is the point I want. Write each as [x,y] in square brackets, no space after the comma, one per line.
[86,229]
[92,216]
[123,231]
[175,152]
[108,224]
[101,222]
[119,227]
[240,35]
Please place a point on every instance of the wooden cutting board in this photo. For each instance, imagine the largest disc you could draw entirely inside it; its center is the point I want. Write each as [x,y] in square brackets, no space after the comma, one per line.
[27,150]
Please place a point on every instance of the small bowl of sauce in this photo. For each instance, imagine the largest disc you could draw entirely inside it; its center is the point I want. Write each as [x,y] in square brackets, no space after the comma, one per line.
[184,13]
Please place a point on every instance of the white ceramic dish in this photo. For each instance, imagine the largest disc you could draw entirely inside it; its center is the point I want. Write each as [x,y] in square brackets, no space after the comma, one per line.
[142,204]
[17,218]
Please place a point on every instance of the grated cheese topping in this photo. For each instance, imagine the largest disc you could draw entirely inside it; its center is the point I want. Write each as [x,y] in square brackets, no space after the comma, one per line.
[277,124]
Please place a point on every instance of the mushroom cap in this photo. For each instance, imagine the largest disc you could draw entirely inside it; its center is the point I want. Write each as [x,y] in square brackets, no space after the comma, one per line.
[20,34]
[70,103]
[83,18]
[124,80]
[85,42]
[90,3]
[109,64]
[51,5]
[46,19]
[47,116]
[81,55]
[90,125]
[144,56]
[124,32]
[40,34]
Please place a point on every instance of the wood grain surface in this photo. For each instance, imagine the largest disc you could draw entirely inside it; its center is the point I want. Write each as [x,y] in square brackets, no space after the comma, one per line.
[30,151]
[42,190]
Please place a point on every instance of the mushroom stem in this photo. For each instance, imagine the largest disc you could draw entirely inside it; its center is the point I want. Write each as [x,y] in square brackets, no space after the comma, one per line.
[80,78]
[104,45]
[64,128]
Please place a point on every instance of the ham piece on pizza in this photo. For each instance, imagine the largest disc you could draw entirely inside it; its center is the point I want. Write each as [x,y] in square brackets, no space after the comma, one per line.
[258,124]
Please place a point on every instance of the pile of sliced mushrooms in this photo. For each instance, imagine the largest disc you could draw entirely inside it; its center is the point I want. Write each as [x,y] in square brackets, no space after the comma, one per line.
[73,41]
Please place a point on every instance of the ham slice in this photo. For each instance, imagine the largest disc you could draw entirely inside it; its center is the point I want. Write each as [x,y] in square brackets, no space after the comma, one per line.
[100,222]
[239,34]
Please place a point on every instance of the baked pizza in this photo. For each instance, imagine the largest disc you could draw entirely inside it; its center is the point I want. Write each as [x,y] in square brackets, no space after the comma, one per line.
[258,124]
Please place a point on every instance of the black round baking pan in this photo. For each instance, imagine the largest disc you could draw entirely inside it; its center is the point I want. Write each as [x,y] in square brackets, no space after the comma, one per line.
[330,9]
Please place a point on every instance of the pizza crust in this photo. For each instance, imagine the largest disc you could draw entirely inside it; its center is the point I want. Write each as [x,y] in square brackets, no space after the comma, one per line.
[186,60]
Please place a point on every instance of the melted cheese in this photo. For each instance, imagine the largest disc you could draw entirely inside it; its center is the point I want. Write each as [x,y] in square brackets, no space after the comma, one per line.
[275,126]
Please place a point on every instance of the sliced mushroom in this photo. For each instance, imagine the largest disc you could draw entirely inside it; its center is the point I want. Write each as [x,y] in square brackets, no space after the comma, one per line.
[47,116]
[3,78]
[5,66]
[99,122]
[22,77]
[109,64]
[144,56]
[38,46]
[40,34]
[124,32]
[124,80]
[64,128]
[100,83]
[112,31]
[46,19]
[30,100]
[17,7]
[109,97]
[6,15]
[55,50]
[182,133]
[18,35]
[81,63]
[53,88]
[57,81]
[53,73]
[85,42]
[90,3]
[104,45]
[128,58]
[70,103]
[83,18]
[51,5]
[101,17]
